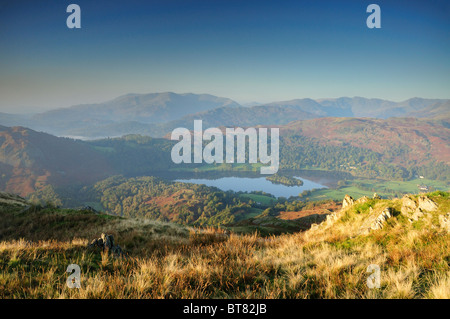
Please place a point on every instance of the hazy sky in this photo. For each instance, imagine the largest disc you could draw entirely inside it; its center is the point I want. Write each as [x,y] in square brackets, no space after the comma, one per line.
[245,50]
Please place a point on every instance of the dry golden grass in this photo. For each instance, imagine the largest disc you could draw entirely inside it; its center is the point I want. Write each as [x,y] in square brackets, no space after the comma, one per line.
[168,261]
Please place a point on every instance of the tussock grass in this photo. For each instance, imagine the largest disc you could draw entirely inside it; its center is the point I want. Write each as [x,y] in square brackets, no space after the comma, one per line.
[171,261]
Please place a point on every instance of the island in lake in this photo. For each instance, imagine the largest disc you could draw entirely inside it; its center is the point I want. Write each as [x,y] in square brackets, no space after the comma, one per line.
[284,179]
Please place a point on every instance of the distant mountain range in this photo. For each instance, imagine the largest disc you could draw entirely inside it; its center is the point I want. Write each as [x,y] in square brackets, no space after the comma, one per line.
[157,114]
[126,113]
[437,110]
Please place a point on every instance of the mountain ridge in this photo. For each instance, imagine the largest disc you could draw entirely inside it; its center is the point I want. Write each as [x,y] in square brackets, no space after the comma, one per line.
[149,113]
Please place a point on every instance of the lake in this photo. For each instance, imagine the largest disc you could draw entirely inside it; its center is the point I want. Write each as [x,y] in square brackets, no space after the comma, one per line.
[249,184]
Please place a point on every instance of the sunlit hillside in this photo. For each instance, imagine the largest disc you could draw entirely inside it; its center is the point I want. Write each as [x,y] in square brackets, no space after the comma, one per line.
[407,238]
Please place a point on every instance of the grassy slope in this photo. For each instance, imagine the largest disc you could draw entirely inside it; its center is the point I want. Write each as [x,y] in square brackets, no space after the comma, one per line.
[169,261]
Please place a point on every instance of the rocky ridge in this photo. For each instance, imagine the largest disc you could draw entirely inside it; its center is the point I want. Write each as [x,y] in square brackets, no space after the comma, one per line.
[412,208]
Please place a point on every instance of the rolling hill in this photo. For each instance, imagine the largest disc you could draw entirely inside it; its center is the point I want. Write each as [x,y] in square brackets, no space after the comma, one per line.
[422,141]
[394,148]
[30,160]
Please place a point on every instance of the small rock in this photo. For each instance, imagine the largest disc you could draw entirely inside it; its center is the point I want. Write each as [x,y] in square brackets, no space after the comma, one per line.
[332,217]
[117,251]
[96,243]
[106,243]
[381,219]
[408,205]
[425,203]
[418,213]
[444,221]
[376,196]
[348,201]
[90,209]
[377,223]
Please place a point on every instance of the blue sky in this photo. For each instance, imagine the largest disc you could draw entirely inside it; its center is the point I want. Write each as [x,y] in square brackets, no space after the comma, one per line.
[246,50]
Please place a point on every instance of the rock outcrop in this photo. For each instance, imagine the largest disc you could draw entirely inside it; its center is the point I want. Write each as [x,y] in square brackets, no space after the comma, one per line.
[90,209]
[408,205]
[331,218]
[376,196]
[416,210]
[418,214]
[106,243]
[361,200]
[376,215]
[444,221]
[381,219]
[348,201]
[378,222]
[12,199]
[425,203]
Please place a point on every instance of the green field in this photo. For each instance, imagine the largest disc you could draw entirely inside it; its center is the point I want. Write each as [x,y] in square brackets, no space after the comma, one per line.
[253,213]
[410,186]
[387,189]
[338,194]
[264,200]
